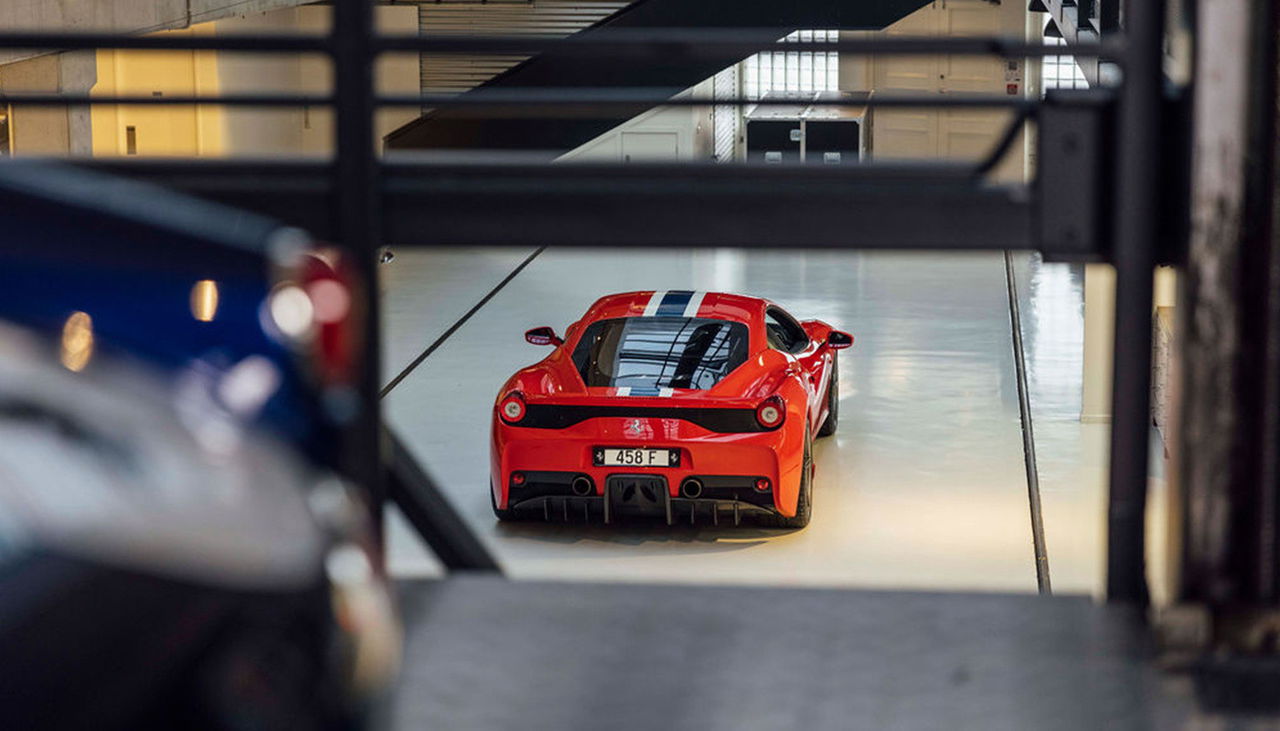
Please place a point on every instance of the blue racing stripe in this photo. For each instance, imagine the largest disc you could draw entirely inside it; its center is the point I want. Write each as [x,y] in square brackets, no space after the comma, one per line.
[645,391]
[674,303]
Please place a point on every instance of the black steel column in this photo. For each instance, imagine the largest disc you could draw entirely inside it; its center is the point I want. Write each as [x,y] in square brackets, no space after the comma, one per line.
[1138,204]
[357,203]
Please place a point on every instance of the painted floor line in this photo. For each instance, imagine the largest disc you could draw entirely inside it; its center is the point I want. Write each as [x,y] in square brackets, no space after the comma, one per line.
[1028,434]
[455,326]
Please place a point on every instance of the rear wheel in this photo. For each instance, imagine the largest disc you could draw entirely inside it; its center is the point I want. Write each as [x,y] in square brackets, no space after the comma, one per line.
[804,503]
[833,402]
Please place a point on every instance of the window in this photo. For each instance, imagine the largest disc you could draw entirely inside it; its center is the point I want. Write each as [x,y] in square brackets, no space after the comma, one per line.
[1060,72]
[725,118]
[783,332]
[660,352]
[793,71]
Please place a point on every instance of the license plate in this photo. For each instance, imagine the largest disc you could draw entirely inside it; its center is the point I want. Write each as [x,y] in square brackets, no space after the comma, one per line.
[632,457]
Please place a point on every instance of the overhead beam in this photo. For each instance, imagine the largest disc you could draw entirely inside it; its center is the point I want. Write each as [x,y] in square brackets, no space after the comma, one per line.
[432,204]
[675,205]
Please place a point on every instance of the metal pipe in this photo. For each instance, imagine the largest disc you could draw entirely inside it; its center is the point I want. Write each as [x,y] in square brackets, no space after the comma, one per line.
[87,41]
[231,100]
[1133,254]
[588,98]
[703,43]
[659,42]
[411,166]
[642,96]
[691,488]
[1038,543]
[431,514]
[582,486]
[358,225]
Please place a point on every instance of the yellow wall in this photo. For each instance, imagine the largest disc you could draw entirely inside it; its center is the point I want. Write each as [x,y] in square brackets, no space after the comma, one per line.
[1099,329]
[210,130]
[159,130]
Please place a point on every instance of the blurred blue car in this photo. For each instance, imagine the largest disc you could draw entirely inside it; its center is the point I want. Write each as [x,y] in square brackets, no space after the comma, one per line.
[177,549]
[184,284]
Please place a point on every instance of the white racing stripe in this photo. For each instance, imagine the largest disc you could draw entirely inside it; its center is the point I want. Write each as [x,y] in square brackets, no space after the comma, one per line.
[695,304]
[651,309]
[664,392]
[623,391]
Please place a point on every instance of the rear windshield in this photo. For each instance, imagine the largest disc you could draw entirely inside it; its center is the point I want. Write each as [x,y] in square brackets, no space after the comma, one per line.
[660,352]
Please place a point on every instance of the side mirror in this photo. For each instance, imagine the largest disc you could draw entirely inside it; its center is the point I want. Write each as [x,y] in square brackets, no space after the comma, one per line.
[543,336]
[838,340]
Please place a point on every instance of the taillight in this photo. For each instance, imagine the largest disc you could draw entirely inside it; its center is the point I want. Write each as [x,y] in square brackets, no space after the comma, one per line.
[771,412]
[330,283]
[315,305]
[512,407]
[762,484]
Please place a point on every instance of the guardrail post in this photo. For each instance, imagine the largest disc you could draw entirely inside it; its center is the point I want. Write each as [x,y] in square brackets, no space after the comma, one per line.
[1138,211]
[357,206]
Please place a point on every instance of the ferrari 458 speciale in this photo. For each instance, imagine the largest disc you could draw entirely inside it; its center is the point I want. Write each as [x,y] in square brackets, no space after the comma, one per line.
[687,406]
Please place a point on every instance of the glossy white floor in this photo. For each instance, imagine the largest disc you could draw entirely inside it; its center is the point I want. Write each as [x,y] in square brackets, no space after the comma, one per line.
[923,487]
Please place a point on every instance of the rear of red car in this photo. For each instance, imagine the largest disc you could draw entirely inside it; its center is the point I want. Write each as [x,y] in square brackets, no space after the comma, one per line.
[667,405]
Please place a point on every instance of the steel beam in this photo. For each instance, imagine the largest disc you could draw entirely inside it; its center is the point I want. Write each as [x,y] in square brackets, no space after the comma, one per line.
[713,205]
[431,514]
[640,42]
[439,204]
[358,227]
[1138,190]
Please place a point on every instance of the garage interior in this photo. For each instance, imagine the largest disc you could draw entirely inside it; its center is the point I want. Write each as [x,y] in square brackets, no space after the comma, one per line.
[1049,237]
[923,487]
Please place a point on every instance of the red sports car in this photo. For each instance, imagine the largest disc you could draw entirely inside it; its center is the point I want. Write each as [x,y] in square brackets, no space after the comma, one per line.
[690,406]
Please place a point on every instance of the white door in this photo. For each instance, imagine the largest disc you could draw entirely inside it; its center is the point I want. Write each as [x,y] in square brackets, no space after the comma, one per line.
[954,134]
[910,73]
[650,146]
[968,18]
[904,133]
[969,134]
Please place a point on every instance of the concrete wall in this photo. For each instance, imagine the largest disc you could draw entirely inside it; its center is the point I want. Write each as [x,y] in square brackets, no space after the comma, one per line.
[125,16]
[50,130]
[36,129]
[214,131]
[665,133]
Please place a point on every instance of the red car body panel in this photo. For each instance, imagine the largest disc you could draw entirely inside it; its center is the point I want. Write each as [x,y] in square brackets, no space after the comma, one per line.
[801,379]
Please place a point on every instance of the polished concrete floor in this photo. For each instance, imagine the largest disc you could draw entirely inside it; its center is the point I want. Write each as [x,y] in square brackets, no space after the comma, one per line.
[922,488]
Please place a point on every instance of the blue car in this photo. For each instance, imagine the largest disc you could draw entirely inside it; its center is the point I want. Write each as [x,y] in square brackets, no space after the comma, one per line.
[187,286]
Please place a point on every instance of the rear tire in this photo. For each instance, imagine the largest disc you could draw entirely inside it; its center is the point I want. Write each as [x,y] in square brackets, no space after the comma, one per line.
[804,502]
[508,515]
[833,402]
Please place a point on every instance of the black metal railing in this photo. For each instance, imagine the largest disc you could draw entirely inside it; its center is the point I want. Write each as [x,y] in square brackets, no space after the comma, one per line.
[363,201]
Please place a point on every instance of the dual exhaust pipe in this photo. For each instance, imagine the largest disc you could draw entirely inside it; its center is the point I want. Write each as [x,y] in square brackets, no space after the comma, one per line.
[691,488]
[582,486]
